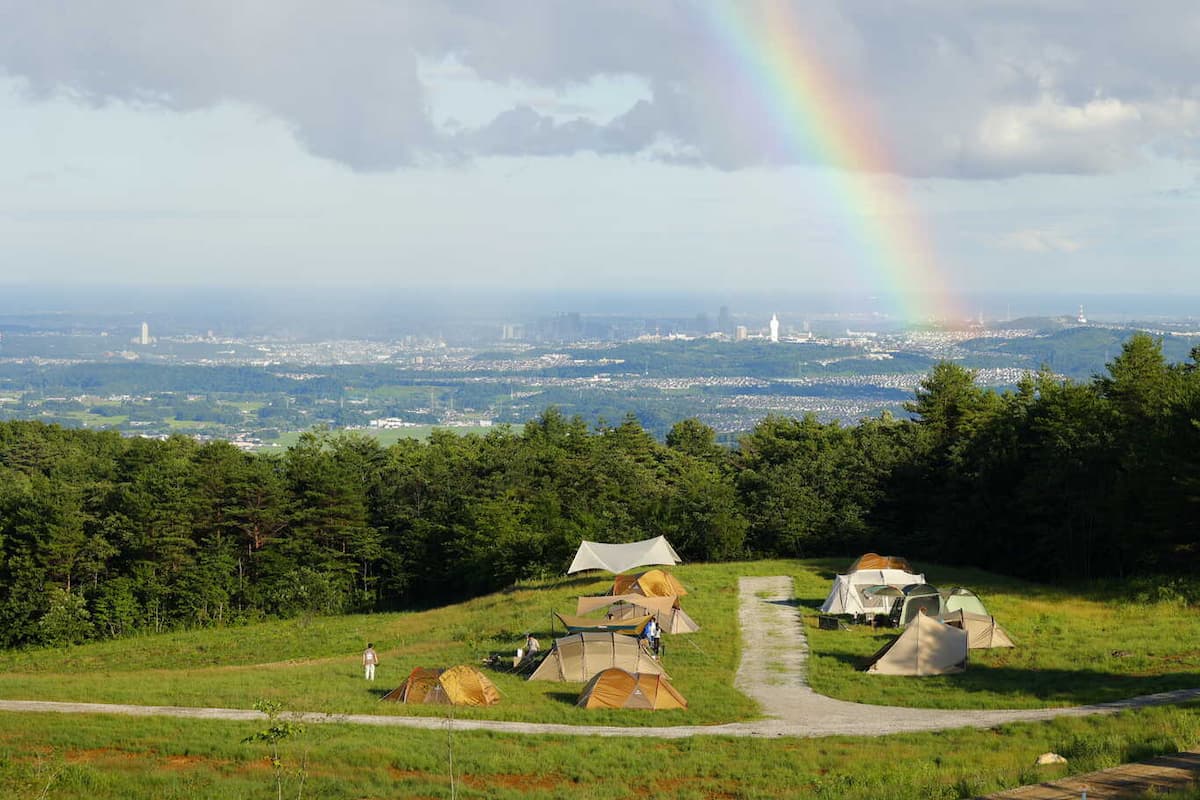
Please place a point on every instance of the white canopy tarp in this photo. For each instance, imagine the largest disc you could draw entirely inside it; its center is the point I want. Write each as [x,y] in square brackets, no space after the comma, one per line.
[846,596]
[617,558]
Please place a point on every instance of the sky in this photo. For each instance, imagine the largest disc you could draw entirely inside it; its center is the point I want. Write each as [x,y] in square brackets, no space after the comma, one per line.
[886,146]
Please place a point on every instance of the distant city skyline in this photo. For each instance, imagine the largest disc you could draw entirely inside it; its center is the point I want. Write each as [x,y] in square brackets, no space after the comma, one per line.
[500,147]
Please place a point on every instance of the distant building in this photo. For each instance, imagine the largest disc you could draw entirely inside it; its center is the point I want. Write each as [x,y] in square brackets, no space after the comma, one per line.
[1081,319]
[145,334]
[741,334]
[774,328]
[725,320]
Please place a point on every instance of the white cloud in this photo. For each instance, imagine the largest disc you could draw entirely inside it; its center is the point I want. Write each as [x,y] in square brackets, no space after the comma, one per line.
[985,89]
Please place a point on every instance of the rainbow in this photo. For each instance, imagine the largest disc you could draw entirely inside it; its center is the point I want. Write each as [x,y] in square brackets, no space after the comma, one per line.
[807,111]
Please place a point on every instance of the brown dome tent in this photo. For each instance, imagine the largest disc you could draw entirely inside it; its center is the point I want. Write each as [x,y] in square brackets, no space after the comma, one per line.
[617,688]
[458,686]
[652,583]
[876,561]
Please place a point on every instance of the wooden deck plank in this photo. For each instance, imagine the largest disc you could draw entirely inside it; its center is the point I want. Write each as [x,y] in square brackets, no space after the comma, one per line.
[1165,773]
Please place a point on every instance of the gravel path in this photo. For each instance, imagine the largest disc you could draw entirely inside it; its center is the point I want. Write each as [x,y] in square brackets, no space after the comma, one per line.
[773,672]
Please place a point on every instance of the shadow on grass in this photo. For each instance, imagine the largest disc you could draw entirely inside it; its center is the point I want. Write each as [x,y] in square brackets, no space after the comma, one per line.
[378,694]
[1072,687]
[1051,687]
[570,698]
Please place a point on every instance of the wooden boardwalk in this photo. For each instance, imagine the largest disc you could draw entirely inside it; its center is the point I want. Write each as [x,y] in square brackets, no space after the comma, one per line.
[1162,774]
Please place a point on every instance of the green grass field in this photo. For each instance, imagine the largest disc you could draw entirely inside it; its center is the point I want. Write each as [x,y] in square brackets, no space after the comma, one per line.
[1074,647]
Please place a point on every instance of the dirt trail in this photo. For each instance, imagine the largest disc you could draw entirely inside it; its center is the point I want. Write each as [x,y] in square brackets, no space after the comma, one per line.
[772,671]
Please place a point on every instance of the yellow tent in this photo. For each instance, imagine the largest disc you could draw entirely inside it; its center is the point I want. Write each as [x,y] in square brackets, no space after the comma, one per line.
[652,583]
[616,688]
[581,655]
[458,686]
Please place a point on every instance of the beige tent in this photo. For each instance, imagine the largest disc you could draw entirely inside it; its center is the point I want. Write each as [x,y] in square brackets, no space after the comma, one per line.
[581,655]
[670,617]
[458,686]
[927,647]
[616,688]
[982,630]
[652,583]
[876,561]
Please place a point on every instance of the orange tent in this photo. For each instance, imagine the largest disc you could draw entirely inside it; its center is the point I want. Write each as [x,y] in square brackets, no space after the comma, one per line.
[876,561]
[652,583]
[458,686]
[617,688]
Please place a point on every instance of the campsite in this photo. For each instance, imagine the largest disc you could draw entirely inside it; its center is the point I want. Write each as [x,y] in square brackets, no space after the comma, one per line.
[1075,646]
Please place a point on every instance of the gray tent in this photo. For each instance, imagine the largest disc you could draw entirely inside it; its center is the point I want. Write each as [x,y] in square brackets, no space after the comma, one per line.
[918,598]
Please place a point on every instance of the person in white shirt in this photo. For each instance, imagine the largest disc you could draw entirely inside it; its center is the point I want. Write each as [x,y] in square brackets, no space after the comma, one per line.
[369,658]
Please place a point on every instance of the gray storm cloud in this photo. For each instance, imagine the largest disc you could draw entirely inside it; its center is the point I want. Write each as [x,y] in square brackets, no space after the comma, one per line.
[986,89]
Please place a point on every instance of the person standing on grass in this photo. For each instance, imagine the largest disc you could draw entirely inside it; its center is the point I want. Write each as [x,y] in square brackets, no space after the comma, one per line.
[370,658]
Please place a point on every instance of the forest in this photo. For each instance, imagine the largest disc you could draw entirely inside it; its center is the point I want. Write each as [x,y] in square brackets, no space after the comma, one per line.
[105,536]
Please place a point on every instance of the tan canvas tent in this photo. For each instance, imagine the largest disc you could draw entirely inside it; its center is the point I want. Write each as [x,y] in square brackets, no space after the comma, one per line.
[876,561]
[982,630]
[581,655]
[927,647]
[670,617]
[617,688]
[652,583]
[458,686]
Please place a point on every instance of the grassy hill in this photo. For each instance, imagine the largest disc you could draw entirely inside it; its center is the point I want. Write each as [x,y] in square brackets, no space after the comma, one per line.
[1074,646]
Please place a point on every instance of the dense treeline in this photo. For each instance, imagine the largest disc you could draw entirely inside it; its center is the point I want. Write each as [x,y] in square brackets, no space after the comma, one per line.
[102,535]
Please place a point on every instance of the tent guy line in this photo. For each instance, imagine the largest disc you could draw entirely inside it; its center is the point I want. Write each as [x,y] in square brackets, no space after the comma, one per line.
[774,638]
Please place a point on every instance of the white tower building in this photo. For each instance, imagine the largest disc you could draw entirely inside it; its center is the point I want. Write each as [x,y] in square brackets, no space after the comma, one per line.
[145,338]
[1081,319]
[774,328]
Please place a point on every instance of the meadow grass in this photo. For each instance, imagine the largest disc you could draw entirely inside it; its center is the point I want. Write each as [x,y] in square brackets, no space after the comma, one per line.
[1072,649]
[1073,646]
[105,758]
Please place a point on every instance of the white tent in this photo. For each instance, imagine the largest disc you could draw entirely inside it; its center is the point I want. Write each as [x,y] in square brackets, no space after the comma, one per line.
[620,557]
[846,595]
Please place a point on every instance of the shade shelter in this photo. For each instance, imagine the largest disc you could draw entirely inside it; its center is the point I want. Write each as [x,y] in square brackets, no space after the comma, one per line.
[621,557]
[927,647]
[617,688]
[579,656]
[670,617]
[631,626]
[876,561]
[982,630]
[960,599]
[846,595]
[652,583]
[462,685]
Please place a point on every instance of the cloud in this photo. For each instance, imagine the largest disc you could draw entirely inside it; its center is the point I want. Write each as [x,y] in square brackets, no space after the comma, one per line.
[1034,240]
[979,90]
